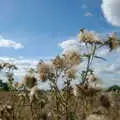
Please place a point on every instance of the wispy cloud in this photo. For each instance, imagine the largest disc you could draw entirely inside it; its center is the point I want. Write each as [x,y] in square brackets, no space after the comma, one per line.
[111,10]
[84,6]
[9,43]
[87,14]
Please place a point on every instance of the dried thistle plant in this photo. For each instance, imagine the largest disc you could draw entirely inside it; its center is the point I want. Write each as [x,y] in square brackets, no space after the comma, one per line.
[44,70]
[64,67]
[72,58]
[71,73]
[112,42]
[34,94]
[89,37]
[6,112]
[60,66]
[92,44]
[59,62]
[29,81]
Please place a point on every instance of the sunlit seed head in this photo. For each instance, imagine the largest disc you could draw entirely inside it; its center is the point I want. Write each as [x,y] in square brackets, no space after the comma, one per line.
[112,41]
[44,69]
[16,84]
[91,77]
[72,58]
[113,36]
[59,62]
[96,117]
[89,37]
[71,73]
[82,30]
[9,107]
[21,96]
[34,93]
[29,81]
[43,76]
[75,90]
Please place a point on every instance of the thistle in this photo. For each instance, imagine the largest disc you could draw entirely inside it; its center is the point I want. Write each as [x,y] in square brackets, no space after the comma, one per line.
[89,37]
[29,81]
[44,70]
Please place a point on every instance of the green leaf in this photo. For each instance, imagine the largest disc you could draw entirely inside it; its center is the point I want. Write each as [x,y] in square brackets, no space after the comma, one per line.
[71,115]
[100,58]
[86,55]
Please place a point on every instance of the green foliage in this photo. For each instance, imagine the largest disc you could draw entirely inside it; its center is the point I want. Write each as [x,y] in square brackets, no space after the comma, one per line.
[71,116]
[8,69]
[4,86]
[113,88]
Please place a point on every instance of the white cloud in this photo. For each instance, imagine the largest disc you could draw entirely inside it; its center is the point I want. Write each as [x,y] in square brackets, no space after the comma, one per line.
[102,52]
[76,46]
[108,73]
[113,68]
[88,14]
[22,64]
[9,43]
[111,10]
[70,45]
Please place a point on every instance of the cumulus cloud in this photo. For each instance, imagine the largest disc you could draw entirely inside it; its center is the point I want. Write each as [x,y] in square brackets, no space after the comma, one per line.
[75,45]
[22,64]
[103,52]
[111,10]
[9,43]
[69,45]
[113,68]
[109,73]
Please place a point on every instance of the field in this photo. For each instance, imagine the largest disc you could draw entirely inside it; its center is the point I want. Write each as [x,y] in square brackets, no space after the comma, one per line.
[99,107]
[86,100]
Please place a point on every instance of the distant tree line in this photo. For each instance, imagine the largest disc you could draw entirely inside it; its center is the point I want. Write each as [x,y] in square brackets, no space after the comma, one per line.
[8,69]
[4,86]
[113,88]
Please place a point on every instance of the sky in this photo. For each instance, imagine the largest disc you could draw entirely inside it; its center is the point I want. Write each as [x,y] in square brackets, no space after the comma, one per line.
[33,29]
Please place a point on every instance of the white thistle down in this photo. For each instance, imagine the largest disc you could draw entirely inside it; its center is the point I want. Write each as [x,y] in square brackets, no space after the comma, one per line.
[96,117]
[75,90]
[88,37]
[34,93]
[91,78]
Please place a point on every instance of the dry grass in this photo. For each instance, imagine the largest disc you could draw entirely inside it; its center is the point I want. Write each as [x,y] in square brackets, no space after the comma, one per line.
[100,107]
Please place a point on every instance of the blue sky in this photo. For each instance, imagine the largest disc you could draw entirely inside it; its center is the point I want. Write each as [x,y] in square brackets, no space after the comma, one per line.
[41,24]
[34,28]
